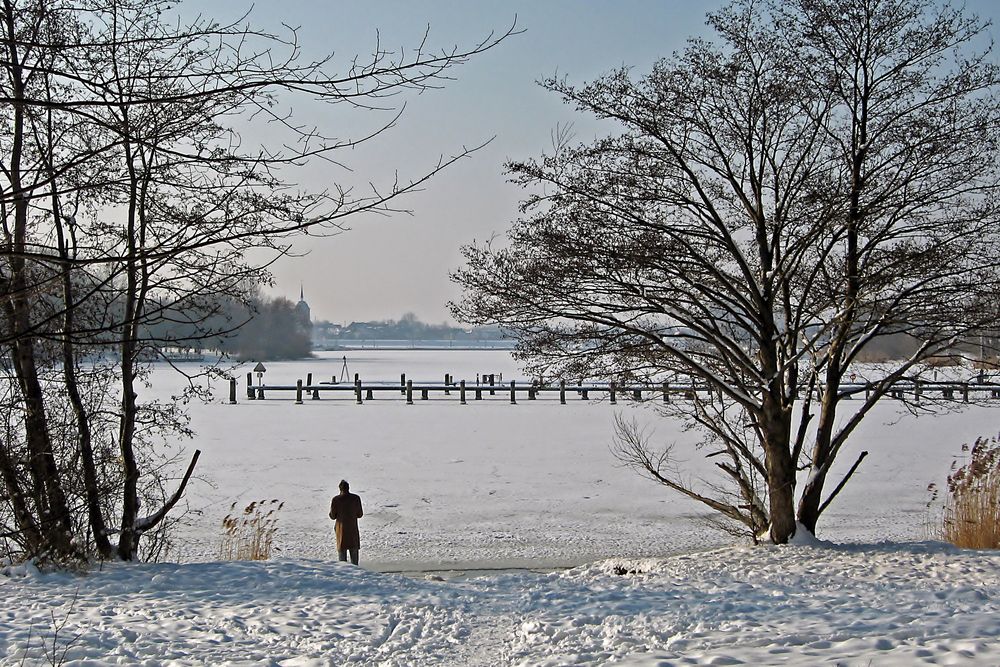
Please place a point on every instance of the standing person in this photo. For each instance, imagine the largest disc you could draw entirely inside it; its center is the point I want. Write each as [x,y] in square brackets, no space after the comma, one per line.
[345,509]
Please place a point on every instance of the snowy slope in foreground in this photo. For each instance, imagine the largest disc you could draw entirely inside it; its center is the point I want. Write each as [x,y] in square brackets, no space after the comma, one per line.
[907,604]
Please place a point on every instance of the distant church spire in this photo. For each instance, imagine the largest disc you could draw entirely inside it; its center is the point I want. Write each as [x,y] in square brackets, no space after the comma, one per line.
[302,307]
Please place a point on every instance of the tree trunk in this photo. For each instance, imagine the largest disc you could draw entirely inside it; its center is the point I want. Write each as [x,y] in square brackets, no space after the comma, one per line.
[23,518]
[812,492]
[50,500]
[128,537]
[780,469]
[92,492]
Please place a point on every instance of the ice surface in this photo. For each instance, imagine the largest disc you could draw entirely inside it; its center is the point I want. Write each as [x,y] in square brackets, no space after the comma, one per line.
[494,482]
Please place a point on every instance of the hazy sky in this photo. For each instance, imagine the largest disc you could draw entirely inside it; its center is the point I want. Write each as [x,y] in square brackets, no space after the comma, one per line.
[387,266]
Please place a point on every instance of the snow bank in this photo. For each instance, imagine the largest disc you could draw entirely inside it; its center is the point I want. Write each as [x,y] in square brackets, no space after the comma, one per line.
[906,604]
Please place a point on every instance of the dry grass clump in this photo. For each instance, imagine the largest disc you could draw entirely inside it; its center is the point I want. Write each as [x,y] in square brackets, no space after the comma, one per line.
[971,518]
[250,535]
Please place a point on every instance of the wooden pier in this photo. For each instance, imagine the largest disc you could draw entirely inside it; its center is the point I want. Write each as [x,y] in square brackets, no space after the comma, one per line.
[488,387]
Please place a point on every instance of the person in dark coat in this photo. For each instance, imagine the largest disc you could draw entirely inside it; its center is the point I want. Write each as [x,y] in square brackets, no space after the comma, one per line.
[345,509]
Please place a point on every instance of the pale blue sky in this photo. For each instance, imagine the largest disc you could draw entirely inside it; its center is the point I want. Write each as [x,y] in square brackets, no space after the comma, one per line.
[385,267]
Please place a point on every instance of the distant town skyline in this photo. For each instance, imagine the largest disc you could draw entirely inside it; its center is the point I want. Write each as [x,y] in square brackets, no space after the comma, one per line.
[387,266]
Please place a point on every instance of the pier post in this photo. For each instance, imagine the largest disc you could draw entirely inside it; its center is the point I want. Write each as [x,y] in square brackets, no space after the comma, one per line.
[309,379]
[250,392]
[479,392]
[513,398]
[965,392]
[409,392]
[666,392]
[611,389]
[461,390]
[402,384]
[447,383]
[298,392]
[493,378]
[562,392]
[232,391]
[637,395]
[357,388]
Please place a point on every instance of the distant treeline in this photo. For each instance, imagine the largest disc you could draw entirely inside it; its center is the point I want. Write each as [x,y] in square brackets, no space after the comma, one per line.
[272,329]
[258,328]
[275,330]
[408,327]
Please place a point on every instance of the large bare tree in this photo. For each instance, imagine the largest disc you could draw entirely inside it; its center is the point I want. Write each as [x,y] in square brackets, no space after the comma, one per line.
[820,176]
[133,193]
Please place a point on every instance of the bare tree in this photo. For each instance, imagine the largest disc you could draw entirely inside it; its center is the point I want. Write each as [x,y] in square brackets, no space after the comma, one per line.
[819,177]
[130,196]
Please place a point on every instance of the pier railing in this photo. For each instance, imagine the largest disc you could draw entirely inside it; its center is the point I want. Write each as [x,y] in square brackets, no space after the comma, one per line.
[487,386]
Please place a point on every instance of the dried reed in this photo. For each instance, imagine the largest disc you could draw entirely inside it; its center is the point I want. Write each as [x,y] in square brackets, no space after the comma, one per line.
[250,535]
[971,517]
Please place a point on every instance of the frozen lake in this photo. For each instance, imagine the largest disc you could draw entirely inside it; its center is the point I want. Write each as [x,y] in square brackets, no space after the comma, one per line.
[491,484]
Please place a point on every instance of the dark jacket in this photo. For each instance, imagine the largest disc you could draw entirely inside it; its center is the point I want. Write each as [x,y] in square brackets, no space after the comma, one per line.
[345,509]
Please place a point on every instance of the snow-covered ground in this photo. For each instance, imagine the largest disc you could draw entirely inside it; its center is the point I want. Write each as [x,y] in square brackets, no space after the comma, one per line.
[450,488]
[901,604]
